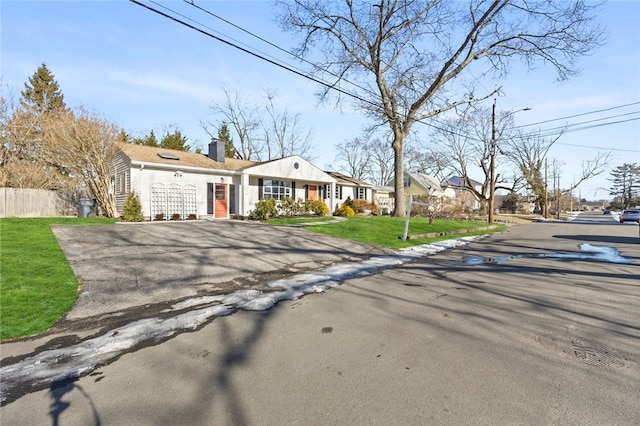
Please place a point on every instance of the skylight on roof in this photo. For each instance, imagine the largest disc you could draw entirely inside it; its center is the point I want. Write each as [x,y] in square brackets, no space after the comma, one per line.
[168,156]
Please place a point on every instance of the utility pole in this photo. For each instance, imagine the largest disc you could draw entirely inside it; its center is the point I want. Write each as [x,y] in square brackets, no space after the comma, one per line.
[492,155]
[492,166]
[546,191]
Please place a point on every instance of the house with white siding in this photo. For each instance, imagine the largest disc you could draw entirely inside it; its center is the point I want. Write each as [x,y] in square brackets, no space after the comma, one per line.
[349,187]
[175,184]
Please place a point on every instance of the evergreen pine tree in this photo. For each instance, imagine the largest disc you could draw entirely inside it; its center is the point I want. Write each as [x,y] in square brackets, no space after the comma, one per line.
[41,93]
[149,140]
[225,136]
[626,184]
[175,140]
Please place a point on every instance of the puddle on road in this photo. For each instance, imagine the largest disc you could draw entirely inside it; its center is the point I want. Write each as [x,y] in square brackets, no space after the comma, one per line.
[589,252]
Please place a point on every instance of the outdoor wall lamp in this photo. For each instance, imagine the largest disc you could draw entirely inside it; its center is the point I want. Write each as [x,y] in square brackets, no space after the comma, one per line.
[178,173]
[221,180]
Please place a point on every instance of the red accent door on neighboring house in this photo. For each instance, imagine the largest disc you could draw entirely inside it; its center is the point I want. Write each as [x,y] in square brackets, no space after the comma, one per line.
[313,192]
[220,201]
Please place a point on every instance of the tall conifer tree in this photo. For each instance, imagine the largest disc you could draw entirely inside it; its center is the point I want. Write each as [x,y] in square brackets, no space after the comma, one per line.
[42,93]
[225,136]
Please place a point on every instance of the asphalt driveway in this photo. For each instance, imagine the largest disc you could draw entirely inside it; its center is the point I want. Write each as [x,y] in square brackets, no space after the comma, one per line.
[125,266]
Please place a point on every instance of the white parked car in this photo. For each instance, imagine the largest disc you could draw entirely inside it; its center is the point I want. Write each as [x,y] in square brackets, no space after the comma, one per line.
[630,215]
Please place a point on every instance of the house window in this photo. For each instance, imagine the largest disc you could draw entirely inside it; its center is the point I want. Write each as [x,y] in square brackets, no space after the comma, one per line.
[362,193]
[276,189]
[407,182]
[122,183]
[339,192]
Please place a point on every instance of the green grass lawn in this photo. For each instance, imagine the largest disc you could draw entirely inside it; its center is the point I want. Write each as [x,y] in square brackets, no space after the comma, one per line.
[37,285]
[297,220]
[386,231]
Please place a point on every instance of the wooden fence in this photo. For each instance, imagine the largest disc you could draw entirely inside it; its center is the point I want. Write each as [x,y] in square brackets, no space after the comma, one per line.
[24,202]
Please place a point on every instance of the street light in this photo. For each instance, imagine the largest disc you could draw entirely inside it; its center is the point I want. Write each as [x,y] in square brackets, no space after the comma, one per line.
[492,167]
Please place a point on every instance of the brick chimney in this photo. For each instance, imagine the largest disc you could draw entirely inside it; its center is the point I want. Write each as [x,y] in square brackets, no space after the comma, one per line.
[216,150]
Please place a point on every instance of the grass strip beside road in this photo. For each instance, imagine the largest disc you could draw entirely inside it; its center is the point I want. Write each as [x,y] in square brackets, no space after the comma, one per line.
[386,231]
[37,284]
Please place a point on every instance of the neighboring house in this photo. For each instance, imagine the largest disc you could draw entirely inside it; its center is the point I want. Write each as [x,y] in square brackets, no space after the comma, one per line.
[462,194]
[421,184]
[349,187]
[383,197]
[187,184]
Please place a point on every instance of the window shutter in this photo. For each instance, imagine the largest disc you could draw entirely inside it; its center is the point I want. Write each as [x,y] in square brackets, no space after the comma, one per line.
[293,190]
[209,198]
[260,190]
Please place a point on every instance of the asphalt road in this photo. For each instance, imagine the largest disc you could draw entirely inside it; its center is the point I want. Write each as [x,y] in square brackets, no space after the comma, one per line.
[522,327]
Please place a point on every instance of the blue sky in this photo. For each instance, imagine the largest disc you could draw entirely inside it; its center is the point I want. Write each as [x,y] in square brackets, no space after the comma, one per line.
[146,72]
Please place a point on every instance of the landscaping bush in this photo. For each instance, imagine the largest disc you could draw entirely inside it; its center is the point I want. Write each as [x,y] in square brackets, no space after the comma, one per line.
[363,206]
[345,211]
[132,208]
[319,208]
[349,203]
[289,207]
[264,210]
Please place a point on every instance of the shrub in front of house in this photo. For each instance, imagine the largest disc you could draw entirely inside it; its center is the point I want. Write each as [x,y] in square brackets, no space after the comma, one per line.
[319,208]
[345,211]
[132,208]
[264,210]
[349,203]
[289,207]
[365,207]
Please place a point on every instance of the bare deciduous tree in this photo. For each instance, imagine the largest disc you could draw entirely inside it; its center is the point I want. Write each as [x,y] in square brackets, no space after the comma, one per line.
[381,162]
[22,142]
[468,141]
[244,119]
[354,157]
[410,56]
[283,132]
[86,144]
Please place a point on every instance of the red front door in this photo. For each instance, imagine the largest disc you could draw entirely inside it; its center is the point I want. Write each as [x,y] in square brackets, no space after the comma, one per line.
[313,192]
[220,201]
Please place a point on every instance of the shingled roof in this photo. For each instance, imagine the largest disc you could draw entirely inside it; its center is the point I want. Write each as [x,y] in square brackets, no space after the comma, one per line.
[151,154]
[344,179]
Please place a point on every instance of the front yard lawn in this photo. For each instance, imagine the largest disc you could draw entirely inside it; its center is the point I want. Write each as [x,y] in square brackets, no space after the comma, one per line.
[37,285]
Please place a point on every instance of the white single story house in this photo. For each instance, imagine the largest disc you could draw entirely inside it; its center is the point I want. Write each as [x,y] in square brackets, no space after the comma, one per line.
[463,194]
[179,184]
[384,197]
[349,187]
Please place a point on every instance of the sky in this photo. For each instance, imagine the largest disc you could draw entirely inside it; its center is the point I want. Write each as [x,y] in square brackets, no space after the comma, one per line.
[70,362]
[145,72]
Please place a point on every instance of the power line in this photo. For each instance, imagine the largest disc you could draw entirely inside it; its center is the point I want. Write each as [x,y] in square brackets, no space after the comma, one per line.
[595,120]
[598,147]
[579,115]
[246,50]
[262,39]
